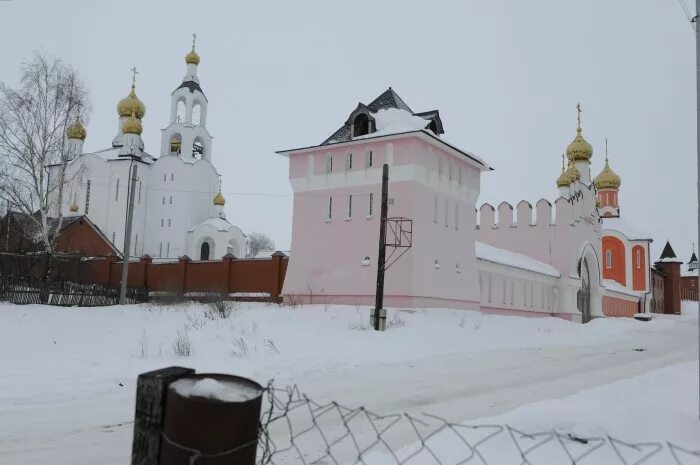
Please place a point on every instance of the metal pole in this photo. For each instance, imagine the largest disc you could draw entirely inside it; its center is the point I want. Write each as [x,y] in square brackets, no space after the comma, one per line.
[697,135]
[381,256]
[127,235]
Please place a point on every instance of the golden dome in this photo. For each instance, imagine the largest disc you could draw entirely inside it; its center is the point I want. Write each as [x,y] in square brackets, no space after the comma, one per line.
[219,200]
[73,206]
[607,179]
[573,173]
[579,148]
[131,103]
[563,179]
[192,58]
[76,131]
[132,125]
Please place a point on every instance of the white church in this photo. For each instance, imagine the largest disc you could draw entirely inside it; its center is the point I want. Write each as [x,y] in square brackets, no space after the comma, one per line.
[178,204]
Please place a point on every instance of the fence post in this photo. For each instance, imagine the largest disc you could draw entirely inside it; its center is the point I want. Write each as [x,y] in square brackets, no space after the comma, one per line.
[184,260]
[227,260]
[145,261]
[151,388]
[277,267]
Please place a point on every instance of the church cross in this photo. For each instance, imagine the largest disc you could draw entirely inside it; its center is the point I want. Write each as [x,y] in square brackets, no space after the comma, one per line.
[133,76]
[578,116]
[606,149]
[194,40]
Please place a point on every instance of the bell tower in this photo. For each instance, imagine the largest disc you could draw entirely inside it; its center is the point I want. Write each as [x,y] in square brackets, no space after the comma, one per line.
[186,136]
[607,185]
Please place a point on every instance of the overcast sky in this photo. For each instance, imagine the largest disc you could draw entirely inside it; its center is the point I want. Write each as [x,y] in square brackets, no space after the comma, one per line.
[505,75]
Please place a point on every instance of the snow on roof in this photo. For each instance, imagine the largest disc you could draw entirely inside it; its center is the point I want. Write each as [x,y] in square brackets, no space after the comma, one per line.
[219,224]
[669,260]
[617,287]
[516,260]
[394,121]
[620,225]
[112,153]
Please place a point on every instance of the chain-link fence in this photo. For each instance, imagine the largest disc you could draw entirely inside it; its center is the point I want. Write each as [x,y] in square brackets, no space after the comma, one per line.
[296,430]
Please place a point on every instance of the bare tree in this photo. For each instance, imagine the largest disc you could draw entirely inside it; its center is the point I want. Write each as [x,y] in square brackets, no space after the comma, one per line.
[33,121]
[258,242]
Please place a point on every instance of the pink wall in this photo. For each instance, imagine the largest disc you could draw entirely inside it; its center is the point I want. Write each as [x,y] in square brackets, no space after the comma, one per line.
[327,255]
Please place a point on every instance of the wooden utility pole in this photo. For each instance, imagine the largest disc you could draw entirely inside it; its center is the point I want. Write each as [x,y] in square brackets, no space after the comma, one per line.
[379,319]
[697,136]
[127,234]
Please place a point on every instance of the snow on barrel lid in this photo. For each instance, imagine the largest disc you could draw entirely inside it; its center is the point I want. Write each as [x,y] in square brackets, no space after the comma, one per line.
[228,390]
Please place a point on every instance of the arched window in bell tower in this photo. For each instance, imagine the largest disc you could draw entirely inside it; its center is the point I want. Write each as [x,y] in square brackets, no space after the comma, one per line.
[196,114]
[181,113]
[198,149]
[176,144]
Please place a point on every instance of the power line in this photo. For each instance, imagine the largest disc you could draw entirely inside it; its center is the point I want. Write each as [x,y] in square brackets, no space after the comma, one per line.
[687,14]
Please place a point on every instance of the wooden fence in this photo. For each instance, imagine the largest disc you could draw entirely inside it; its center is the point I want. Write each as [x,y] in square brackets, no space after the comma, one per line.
[27,290]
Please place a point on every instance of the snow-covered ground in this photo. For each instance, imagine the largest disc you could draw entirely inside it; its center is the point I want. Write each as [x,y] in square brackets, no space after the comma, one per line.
[68,375]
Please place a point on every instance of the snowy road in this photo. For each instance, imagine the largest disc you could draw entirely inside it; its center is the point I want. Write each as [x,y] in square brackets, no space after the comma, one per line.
[61,403]
[467,386]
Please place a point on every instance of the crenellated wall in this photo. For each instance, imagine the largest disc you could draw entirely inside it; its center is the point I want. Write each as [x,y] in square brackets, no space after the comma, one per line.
[551,234]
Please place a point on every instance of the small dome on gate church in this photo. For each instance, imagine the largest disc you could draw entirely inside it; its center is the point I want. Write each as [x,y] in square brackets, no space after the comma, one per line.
[76,131]
[607,179]
[219,200]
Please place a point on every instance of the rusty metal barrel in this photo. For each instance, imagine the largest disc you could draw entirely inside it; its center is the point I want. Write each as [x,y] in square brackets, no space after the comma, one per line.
[211,419]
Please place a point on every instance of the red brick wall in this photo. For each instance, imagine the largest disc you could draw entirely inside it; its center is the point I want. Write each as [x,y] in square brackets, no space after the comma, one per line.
[80,237]
[185,276]
[615,307]
[689,288]
[672,286]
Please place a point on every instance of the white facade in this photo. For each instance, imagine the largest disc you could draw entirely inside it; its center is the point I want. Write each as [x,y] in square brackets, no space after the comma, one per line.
[174,207]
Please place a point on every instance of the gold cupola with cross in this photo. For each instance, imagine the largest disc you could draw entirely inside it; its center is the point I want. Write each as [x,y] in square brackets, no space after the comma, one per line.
[579,149]
[131,103]
[607,185]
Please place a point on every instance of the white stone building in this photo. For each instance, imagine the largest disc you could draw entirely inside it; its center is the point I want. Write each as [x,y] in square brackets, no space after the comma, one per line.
[178,206]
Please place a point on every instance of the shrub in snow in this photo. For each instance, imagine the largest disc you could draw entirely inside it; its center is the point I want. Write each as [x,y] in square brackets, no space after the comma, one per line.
[270,345]
[240,347]
[361,326]
[182,345]
[220,309]
[395,321]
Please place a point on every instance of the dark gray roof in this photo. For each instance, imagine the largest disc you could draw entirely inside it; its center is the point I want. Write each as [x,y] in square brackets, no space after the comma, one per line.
[387,99]
[192,86]
[668,251]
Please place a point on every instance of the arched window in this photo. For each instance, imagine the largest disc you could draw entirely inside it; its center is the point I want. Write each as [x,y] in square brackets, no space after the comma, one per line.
[181,112]
[196,114]
[198,149]
[204,251]
[360,125]
[176,144]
